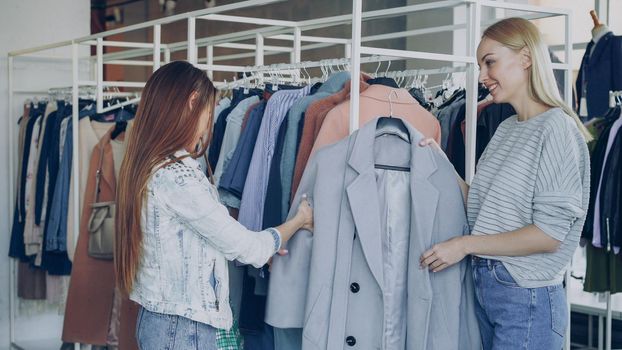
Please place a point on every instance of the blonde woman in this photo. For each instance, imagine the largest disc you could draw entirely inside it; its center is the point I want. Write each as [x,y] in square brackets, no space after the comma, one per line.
[527,203]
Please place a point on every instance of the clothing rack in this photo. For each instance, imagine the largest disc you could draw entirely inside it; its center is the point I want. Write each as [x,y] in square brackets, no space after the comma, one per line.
[294,69]
[289,31]
[614,100]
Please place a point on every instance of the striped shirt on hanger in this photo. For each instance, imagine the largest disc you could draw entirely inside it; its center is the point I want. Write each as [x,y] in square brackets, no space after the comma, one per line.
[253,197]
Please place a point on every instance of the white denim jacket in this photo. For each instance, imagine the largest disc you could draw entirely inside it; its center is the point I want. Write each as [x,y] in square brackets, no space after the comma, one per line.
[187,238]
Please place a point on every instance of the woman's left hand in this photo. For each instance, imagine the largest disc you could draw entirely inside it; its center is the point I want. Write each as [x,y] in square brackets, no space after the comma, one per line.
[443,255]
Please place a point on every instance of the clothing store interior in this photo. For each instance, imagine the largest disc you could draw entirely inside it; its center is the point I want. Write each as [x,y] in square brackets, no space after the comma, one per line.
[385,121]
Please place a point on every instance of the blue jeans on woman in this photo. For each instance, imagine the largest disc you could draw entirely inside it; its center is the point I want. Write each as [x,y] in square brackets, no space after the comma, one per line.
[512,317]
[156,331]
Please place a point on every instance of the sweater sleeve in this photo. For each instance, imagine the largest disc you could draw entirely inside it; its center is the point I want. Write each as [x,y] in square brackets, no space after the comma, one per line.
[189,199]
[557,201]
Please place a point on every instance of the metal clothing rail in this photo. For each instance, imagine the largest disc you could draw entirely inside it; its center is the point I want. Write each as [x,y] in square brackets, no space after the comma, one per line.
[283,30]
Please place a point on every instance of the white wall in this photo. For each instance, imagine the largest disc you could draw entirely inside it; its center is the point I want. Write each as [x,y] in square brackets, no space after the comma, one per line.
[24,24]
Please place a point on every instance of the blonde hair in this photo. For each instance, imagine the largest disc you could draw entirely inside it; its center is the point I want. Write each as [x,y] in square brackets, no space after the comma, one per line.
[518,33]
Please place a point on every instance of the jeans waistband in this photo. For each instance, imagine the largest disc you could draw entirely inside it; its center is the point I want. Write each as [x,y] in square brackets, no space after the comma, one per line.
[477,261]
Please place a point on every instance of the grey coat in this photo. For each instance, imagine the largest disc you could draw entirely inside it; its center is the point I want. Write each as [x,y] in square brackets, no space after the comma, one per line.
[337,283]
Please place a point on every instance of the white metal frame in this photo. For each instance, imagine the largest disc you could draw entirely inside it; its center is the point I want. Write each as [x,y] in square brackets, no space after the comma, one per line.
[286,31]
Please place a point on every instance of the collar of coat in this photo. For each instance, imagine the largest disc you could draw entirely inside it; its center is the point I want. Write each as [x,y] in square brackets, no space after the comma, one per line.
[363,197]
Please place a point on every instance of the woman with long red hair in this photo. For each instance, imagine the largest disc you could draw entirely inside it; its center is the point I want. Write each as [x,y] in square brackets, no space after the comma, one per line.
[173,236]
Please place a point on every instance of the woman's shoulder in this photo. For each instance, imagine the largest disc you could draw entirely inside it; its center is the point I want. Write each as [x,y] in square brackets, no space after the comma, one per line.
[177,171]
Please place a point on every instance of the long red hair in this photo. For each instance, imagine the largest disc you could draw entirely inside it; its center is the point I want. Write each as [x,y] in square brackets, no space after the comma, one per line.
[164,124]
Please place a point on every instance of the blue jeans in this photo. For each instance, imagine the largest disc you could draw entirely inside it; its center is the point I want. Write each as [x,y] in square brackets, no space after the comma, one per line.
[155,331]
[511,317]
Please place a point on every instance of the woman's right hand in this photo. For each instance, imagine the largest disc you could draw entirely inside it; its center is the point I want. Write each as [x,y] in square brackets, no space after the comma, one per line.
[302,220]
[305,213]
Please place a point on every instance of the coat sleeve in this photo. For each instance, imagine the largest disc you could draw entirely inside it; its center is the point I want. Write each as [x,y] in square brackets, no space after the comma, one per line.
[289,276]
[190,200]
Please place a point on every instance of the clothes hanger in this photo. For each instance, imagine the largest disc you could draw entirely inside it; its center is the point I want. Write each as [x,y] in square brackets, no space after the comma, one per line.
[388,66]
[392,126]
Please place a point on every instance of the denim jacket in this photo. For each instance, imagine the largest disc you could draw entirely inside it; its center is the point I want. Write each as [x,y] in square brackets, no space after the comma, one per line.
[187,238]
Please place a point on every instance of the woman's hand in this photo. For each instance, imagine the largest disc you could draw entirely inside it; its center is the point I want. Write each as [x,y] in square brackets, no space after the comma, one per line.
[305,213]
[429,142]
[443,255]
[303,219]
[432,143]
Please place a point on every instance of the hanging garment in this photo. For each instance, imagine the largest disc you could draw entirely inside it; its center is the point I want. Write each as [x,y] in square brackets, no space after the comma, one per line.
[22,122]
[603,272]
[231,136]
[254,285]
[447,118]
[374,101]
[252,204]
[312,123]
[332,85]
[222,104]
[489,117]
[356,279]
[234,177]
[91,132]
[221,124]
[31,282]
[606,206]
[56,235]
[600,73]
[605,232]
[274,191]
[91,290]
[390,82]
[19,231]
[56,263]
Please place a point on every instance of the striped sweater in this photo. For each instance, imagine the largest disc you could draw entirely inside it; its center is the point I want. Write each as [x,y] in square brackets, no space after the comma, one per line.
[533,172]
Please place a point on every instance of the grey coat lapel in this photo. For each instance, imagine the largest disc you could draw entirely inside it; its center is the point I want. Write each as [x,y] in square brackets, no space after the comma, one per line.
[363,200]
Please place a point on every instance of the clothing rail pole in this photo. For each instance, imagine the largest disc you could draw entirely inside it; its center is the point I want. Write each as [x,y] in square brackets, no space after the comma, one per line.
[355,69]
[297,48]
[157,33]
[100,74]
[192,53]
[167,55]
[315,64]
[277,33]
[75,149]
[259,53]
[473,33]
[568,99]
[210,60]
[11,184]
[608,325]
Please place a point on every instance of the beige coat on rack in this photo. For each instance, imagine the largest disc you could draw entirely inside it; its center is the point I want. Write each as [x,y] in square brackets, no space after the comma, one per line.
[91,132]
[91,290]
